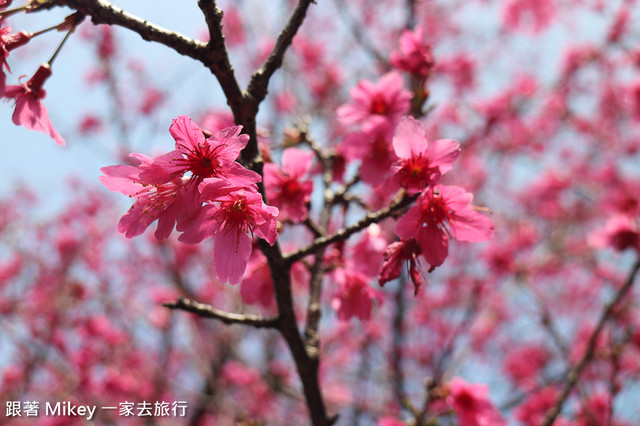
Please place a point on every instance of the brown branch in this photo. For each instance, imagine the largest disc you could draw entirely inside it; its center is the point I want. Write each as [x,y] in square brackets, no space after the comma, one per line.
[258,87]
[208,311]
[574,372]
[103,12]
[218,57]
[345,233]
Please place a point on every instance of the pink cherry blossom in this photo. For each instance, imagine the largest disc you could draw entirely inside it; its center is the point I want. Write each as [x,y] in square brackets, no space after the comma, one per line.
[472,405]
[231,214]
[287,188]
[354,296]
[374,148]
[415,55]
[385,99]
[420,163]
[441,213]
[8,42]
[202,158]
[395,255]
[152,201]
[620,232]
[30,112]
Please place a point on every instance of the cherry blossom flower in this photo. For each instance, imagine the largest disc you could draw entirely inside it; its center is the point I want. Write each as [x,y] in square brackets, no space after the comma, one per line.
[385,99]
[152,201]
[354,296]
[621,232]
[441,213]
[395,255]
[287,188]
[374,148]
[30,112]
[420,163]
[202,158]
[415,55]
[8,42]
[233,212]
[472,405]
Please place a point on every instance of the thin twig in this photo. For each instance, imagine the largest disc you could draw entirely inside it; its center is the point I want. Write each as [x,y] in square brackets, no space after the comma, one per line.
[258,87]
[345,233]
[208,311]
[574,372]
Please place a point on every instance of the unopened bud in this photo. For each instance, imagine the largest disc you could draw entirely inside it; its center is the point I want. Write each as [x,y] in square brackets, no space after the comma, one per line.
[5,3]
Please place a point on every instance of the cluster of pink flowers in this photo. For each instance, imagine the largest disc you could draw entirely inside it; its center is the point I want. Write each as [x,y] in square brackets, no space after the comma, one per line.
[201,190]
[395,154]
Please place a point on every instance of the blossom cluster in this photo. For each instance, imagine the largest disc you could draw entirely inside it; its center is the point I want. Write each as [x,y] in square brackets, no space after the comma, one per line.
[201,190]
[396,153]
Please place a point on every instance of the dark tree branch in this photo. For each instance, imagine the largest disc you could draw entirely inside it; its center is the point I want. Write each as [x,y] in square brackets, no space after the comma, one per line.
[103,12]
[574,372]
[208,311]
[258,87]
[345,233]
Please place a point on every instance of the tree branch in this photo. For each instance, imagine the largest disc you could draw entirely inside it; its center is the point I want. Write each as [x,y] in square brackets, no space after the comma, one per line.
[103,12]
[345,233]
[258,87]
[574,372]
[208,311]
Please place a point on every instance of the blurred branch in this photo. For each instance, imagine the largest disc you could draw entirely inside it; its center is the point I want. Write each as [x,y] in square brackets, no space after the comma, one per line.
[574,372]
[208,311]
[258,87]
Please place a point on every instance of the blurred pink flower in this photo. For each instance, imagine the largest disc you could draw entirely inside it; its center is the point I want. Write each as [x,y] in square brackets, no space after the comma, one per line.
[287,188]
[385,99]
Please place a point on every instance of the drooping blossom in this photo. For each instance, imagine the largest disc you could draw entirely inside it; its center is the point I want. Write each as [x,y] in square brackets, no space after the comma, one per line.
[232,213]
[8,42]
[354,296]
[287,189]
[415,55]
[420,163]
[30,112]
[385,99]
[472,405]
[200,157]
[374,148]
[620,233]
[152,201]
[443,212]
[395,255]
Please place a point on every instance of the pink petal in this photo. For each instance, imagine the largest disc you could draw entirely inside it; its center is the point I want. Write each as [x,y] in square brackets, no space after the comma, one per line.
[443,153]
[296,162]
[121,178]
[471,226]
[201,227]
[410,138]
[435,245]
[231,254]
[186,134]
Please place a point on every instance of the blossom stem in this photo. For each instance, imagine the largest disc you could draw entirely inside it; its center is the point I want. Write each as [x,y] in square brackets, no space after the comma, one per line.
[46,30]
[55,54]
[10,12]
